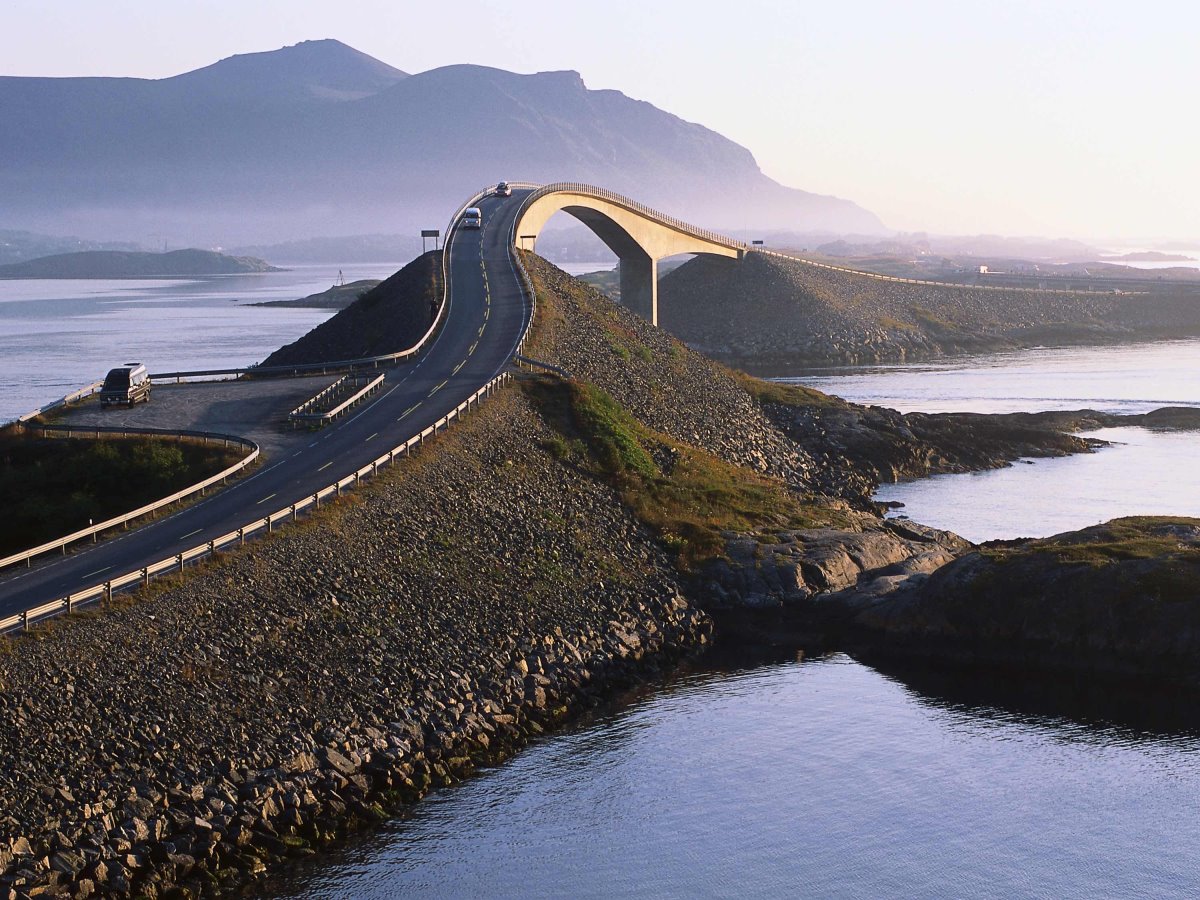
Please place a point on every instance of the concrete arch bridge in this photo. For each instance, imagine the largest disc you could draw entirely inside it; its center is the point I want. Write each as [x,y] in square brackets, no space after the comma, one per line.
[638,235]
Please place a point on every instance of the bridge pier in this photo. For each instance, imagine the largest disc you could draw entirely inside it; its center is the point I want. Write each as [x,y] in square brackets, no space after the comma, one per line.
[639,285]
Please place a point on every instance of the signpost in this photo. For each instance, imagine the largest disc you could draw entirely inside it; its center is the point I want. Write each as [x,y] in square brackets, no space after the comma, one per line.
[428,233]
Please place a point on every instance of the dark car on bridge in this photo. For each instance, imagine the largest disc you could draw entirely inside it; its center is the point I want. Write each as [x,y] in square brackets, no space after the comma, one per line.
[503,189]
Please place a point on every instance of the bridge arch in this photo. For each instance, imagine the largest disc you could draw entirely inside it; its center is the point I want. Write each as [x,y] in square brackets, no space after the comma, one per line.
[638,235]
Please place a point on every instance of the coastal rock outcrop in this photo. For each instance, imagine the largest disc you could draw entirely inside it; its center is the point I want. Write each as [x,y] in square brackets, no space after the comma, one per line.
[1114,599]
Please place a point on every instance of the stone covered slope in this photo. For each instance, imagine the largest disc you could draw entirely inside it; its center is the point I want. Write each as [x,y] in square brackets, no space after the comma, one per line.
[1119,598]
[664,384]
[269,700]
[772,312]
[387,319]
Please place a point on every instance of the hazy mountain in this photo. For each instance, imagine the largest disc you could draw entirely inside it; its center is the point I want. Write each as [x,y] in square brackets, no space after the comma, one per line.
[321,139]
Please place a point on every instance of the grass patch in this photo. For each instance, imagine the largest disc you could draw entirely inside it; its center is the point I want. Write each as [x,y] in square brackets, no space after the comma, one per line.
[53,486]
[686,495]
[785,394]
[1125,539]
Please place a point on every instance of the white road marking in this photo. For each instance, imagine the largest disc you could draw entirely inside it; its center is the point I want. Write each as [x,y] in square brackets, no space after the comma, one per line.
[264,500]
[190,533]
[326,466]
[372,437]
[97,572]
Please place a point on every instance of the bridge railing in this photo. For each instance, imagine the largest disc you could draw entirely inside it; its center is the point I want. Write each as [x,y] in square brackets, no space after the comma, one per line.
[898,280]
[632,205]
[123,520]
[265,525]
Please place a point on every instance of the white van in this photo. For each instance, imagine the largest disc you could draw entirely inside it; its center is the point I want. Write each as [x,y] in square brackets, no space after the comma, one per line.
[472,217]
[126,385]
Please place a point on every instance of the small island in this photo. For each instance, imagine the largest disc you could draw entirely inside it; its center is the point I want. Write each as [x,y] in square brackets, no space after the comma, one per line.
[1154,256]
[337,297]
[130,264]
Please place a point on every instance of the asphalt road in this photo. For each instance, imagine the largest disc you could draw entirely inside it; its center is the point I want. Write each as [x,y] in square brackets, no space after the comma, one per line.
[484,322]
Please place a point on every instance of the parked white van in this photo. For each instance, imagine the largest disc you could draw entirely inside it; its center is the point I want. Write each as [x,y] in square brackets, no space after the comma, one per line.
[126,385]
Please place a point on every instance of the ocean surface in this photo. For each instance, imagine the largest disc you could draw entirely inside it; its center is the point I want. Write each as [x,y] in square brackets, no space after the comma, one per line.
[1143,472]
[58,335]
[832,777]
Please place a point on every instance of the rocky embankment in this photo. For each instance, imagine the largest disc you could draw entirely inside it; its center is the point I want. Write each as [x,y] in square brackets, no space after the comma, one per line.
[308,684]
[388,318]
[1118,599]
[551,546]
[770,313]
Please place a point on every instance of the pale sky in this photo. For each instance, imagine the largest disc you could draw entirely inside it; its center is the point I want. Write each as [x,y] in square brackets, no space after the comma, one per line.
[1052,118]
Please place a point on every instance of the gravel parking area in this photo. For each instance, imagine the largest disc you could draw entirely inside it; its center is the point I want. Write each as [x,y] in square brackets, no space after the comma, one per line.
[254,409]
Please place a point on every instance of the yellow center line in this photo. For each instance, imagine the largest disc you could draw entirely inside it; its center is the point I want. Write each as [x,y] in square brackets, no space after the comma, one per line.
[438,388]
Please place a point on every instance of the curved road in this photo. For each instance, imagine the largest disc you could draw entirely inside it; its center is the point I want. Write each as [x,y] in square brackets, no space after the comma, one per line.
[485,320]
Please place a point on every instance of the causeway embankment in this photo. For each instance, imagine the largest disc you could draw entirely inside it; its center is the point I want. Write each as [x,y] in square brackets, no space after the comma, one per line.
[770,314]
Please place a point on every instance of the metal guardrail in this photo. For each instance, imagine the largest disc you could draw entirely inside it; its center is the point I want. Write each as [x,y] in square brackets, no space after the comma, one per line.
[898,280]
[75,396]
[366,385]
[178,562]
[27,556]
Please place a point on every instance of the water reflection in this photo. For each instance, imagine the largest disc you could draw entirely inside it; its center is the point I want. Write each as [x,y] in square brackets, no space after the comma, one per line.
[826,777]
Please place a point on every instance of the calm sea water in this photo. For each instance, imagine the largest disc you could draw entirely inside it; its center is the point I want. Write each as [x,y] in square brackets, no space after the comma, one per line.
[57,335]
[1144,472]
[833,778]
[817,779]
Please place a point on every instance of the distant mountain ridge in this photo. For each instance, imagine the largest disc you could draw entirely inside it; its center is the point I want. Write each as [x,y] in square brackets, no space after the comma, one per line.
[132,264]
[319,138]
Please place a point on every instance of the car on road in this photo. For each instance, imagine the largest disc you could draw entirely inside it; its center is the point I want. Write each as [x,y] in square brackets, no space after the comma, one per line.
[472,218]
[125,386]
[503,190]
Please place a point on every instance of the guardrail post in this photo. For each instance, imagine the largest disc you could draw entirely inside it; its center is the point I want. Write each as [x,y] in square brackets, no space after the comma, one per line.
[317,500]
[70,604]
[212,548]
[25,621]
[270,525]
[145,577]
[179,559]
[241,537]
[293,512]
[108,592]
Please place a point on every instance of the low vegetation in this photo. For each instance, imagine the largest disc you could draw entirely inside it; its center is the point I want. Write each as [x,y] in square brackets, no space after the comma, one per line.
[1165,538]
[785,394]
[686,495]
[53,486]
